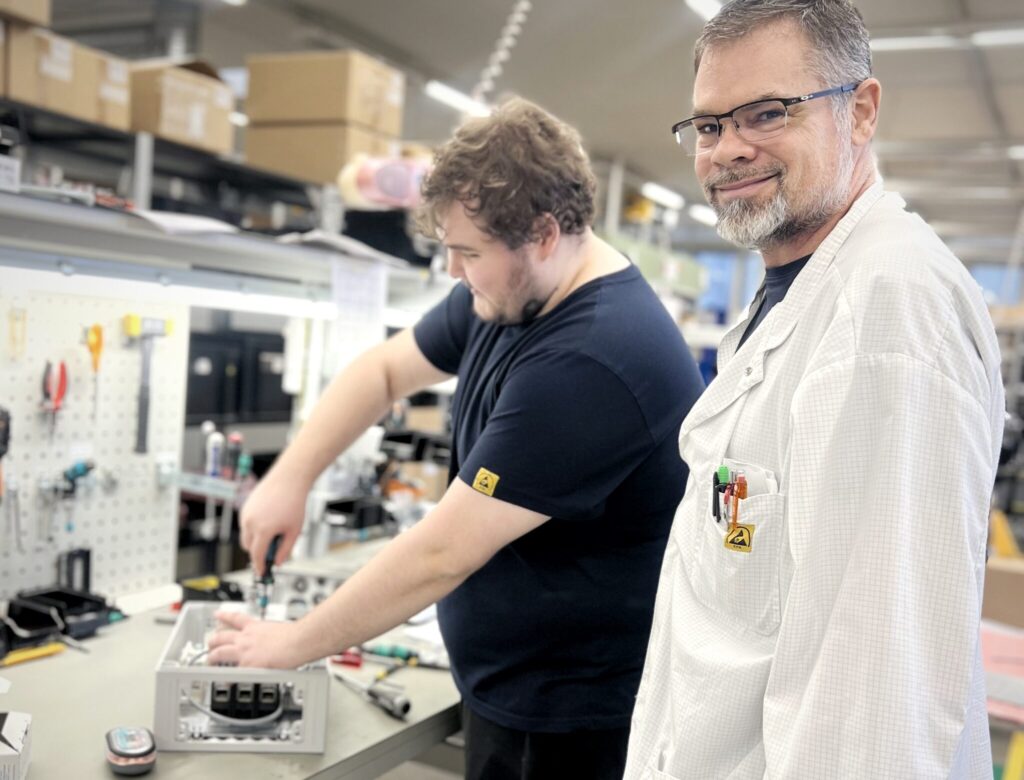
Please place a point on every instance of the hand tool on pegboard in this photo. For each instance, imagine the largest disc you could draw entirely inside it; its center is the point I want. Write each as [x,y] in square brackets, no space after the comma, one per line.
[12,513]
[144,330]
[5,443]
[55,388]
[16,318]
[94,341]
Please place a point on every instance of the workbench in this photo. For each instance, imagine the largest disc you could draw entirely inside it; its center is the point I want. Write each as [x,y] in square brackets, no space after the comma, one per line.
[75,698]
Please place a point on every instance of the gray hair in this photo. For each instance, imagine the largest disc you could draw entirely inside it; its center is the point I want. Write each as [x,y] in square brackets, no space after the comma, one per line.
[841,48]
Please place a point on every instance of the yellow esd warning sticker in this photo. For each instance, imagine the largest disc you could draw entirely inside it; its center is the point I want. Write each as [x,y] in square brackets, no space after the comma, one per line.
[485,482]
[740,538]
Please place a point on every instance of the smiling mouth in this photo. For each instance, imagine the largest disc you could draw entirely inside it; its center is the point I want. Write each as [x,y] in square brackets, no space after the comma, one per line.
[742,187]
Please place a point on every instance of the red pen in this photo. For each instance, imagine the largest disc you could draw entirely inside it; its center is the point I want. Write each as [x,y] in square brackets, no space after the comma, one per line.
[740,492]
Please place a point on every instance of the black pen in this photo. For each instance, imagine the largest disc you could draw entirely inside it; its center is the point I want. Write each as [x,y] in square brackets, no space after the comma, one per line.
[714,495]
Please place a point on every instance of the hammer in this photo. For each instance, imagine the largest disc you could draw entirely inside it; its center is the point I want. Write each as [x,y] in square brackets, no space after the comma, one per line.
[144,330]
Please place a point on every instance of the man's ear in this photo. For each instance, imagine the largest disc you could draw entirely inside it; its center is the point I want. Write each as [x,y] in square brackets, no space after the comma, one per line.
[546,234]
[866,100]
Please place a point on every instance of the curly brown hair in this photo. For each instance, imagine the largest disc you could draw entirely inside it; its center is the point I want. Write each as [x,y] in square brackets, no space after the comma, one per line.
[508,170]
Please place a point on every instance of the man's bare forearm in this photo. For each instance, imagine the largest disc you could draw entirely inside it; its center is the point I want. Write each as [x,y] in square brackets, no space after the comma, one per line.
[411,573]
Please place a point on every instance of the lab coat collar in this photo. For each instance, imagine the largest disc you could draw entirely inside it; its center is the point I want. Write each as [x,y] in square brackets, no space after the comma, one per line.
[742,369]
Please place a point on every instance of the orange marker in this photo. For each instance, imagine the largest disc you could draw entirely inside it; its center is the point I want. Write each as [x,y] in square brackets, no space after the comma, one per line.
[740,492]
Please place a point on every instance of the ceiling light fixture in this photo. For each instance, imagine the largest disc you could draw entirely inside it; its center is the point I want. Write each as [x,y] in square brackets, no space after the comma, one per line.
[703,214]
[235,2]
[917,42]
[705,8]
[663,196]
[455,99]
[1011,37]
[1016,152]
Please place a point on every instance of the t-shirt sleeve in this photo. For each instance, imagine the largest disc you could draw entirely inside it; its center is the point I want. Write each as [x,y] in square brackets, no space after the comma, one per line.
[564,433]
[443,332]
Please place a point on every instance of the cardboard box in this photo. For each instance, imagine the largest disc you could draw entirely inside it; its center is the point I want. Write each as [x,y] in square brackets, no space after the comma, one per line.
[314,153]
[338,86]
[29,11]
[428,419]
[51,72]
[15,745]
[113,92]
[431,477]
[1004,585]
[184,103]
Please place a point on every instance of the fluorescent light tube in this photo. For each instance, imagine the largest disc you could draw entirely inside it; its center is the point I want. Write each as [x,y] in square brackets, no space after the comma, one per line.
[457,100]
[662,196]
[917,42]
[703,214]
[1012,37]
[705,8]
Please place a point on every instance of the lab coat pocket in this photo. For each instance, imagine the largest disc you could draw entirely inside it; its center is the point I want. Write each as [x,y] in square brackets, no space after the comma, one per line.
[737,571]
[653,774]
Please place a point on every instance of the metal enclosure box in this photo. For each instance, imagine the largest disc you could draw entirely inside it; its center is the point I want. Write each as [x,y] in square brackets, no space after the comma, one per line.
[190,699]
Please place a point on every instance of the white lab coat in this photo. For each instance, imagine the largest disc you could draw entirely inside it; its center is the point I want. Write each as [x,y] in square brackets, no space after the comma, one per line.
[845,643]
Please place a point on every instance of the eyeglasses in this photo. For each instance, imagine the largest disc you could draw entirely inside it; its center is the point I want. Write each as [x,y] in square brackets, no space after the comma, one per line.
[754,122]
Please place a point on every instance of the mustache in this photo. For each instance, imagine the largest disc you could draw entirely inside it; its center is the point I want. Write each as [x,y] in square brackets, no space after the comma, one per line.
[725,178]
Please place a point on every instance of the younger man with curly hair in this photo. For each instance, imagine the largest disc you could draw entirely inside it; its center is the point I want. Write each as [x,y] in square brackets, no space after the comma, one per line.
[544,552]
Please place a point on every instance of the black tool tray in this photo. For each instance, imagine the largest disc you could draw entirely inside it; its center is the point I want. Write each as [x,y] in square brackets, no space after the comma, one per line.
[82,613]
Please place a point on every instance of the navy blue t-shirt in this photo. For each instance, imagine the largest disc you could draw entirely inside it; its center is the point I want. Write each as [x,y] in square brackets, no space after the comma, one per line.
[777,282]
[575,415]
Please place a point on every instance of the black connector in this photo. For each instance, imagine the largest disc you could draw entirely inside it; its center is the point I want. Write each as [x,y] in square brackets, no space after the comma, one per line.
[245,701]
[269,698]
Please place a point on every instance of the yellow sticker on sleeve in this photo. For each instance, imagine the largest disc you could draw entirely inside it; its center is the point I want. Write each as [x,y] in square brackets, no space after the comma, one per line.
[485,482]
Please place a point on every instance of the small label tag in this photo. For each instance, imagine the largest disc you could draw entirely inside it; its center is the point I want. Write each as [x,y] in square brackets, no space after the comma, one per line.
[740,538]
[485,482]
[10,173]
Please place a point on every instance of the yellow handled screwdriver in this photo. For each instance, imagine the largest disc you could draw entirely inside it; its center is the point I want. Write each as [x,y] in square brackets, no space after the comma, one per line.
[94,340]
[31,653]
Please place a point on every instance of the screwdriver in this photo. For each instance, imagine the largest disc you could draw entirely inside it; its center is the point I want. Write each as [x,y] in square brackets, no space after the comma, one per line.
[94,340]
[265,584]
[392,701]
[5,443]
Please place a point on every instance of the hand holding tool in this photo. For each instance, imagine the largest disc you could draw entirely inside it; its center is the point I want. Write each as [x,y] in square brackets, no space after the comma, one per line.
[265,583]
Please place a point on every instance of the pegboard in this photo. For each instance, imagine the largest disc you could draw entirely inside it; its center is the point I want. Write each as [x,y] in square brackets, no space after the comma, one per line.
[131,527]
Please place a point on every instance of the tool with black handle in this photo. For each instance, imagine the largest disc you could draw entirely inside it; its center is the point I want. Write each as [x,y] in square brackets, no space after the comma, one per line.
[144,330]
[265,583]
[388,697]
[5,443]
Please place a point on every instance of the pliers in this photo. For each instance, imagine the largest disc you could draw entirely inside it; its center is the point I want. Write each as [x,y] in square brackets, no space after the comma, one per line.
[55,387]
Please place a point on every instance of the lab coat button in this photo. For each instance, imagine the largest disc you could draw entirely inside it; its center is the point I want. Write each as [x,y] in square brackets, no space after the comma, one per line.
[749,370]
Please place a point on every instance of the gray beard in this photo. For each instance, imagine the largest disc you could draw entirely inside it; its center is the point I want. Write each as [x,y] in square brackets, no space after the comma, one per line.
[772,224]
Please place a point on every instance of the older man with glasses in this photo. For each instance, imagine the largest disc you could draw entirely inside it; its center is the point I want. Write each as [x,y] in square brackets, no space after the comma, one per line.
[819,601]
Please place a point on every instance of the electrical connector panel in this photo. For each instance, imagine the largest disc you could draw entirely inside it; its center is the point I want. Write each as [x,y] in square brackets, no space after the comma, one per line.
[230,709]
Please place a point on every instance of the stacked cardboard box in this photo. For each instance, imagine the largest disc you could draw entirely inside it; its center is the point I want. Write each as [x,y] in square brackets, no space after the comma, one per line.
[42,69]
[311,112]
[185,103]
[58,74]
[28,11]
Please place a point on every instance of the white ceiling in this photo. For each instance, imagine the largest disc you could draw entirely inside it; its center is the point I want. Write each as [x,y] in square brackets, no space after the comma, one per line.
[622,73]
